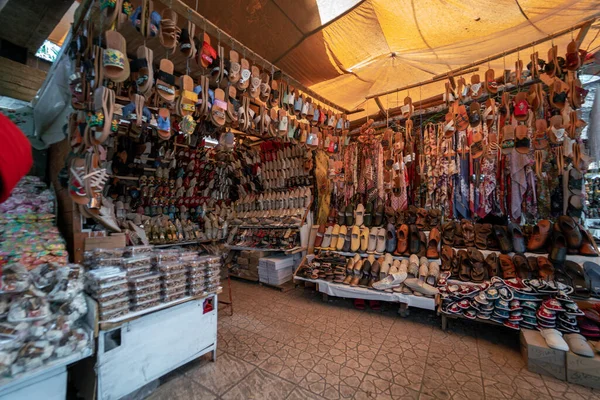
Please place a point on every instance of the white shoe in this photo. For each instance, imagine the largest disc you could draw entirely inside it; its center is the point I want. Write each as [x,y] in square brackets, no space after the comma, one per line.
[390,281]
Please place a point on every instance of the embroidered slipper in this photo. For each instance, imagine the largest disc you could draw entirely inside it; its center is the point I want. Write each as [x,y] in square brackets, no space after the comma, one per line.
[164,123]
[187,100]
[114,58]
[169,31]
[477,145]
[245,75]
[476,86]
[461,116]
[165,81]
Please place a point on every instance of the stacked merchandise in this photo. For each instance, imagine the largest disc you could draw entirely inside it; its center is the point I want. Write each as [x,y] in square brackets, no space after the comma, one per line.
[589,323]
[246,264]
[212,271]
[41,299]
[276,270]
[139,277]
[514,303]
[108,285]
[173,274]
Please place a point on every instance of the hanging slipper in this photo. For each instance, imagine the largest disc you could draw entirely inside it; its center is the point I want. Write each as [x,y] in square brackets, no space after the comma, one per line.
[489,114]
[490,82]
[110,10]
[77,182]
[100,124]
[474,114]
[476,89]
[143,70]
[265,87]
[245,75]
[165,81]
[187,97]
[521,107]
[234,67]
[552,69]
[207,54]
[522,142]
[532,97]
[573,59]
[169,31]
[255,82]
[186,41]
[407,109]
[114,58]
[164,124]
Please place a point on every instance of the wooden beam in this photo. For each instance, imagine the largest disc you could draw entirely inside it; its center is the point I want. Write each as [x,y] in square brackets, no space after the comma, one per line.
[18,80]
[583,32]
[192,15]
[378,101]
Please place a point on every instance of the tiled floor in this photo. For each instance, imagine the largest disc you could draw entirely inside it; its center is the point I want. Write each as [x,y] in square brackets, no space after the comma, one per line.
[294,346]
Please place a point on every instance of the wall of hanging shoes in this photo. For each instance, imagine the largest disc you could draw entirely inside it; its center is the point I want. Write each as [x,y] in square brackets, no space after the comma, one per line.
[139,163]
[499,175]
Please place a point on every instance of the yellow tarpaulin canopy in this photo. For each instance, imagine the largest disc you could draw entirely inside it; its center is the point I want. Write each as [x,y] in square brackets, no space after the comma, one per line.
[343,49]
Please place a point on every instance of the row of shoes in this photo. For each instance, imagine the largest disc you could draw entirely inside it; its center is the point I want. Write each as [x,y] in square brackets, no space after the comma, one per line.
[376,214]
[514,303]
[404,241]
[409,276]
[565,236]
[287,216]
[282,239]
[300,197]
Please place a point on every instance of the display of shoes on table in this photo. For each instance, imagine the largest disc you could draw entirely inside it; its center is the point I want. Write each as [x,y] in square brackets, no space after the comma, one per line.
[410,276]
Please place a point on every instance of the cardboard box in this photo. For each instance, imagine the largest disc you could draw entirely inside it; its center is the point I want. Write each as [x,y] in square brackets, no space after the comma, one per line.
[583,371]
[242,261]
[540,358]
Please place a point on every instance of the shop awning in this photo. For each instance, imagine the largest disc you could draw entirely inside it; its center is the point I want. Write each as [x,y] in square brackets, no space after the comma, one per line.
[343,49]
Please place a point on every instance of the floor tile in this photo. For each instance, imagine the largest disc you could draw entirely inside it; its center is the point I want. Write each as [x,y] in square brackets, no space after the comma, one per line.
[290,363]
[332,381]
[376,388]
[303,394]
[253,348]
[221,375]
[402,368]
[564,390]
[443,383]
[181,388]
[519,387]
[352,354]
[260,385]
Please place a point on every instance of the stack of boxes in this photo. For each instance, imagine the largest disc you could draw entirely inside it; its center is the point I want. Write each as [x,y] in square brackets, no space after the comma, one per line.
[563,365]
[277,270]
[247,263]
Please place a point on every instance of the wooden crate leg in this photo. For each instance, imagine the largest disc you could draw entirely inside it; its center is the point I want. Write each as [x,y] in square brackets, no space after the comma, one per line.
[403,310]
[444,323]
[325,297]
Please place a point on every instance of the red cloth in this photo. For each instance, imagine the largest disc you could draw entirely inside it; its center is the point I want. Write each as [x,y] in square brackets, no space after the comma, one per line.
[15,156]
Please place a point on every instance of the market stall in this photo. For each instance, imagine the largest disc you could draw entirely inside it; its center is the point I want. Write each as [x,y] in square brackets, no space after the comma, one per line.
[190,157]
